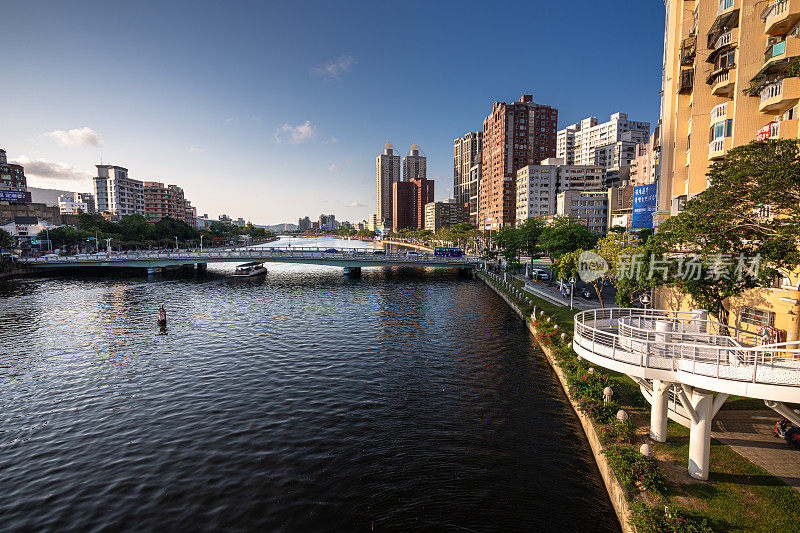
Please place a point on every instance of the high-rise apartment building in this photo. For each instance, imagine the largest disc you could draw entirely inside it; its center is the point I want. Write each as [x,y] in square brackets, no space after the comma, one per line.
[408,203]
[610,144]
[116,193]
[387,173]
[728,80]
[514,135]
[414,164]
[75,203]
[538,185]
[13,185]
[169,201]
[467,171]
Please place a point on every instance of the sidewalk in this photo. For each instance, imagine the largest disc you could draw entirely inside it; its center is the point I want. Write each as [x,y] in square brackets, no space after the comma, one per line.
[749,433]
[553,295]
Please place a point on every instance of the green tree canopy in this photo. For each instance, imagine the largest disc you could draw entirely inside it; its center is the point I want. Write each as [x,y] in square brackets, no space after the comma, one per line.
[751,207]
[566,235]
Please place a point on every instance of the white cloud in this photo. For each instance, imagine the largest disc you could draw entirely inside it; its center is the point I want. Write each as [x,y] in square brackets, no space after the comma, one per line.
[84,136]
[196,149]
[334,168]
[231,119]
[355,204]
[295,134]
[333,70]
[331,140]
[52,172]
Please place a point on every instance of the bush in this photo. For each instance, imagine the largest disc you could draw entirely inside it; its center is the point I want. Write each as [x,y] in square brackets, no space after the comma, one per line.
[617,432]
[633,469]
[648,520]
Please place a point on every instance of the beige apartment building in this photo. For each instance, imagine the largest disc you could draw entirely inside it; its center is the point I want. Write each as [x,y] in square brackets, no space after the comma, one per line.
[727,82]
[167,201]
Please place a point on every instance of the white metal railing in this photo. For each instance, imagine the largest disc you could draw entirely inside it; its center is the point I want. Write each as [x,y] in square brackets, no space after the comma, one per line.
[251,254]
[772,90]
[672,341]
[719,111]
[722,77]
[715,147]
[725,38]
[774,10]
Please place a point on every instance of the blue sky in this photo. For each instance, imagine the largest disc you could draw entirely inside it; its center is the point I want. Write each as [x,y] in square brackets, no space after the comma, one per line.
[275,110]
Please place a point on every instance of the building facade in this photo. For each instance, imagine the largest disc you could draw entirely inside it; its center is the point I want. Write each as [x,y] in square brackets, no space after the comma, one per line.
[162,201]
[589,207]
[414,164]
[610,144]
[538,185]
[13,185]
[304,224]
[116,193]
[409,200]
[514,135]
[440,215]
[727,80]
[69,205]
[645,167]
[387,173]
[467,171]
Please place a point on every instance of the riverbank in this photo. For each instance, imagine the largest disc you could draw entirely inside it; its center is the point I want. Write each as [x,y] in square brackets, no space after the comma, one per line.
[739,496]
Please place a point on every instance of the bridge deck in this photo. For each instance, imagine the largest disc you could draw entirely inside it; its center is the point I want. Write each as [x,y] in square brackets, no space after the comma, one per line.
[348,258]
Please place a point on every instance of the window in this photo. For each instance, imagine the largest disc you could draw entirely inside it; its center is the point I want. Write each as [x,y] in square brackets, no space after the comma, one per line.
[757,317]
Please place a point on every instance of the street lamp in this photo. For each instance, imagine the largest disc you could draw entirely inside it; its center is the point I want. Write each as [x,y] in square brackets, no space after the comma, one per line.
[571,290]
[201,242]
[176,243]
[108,244]
[645,299]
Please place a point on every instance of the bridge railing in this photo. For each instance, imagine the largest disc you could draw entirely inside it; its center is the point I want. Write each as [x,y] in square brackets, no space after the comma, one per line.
[650,339]
[250,254]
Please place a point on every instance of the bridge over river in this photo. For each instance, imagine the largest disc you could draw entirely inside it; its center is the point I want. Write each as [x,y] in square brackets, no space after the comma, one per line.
[349,259]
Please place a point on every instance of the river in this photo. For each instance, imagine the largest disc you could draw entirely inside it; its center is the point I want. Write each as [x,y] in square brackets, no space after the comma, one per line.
[303,400]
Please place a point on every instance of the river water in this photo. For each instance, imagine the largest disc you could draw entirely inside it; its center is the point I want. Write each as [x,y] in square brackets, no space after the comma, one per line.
[303,400]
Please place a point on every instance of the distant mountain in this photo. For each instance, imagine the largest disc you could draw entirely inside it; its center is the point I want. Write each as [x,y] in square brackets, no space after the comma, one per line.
[279,228]
[47,196]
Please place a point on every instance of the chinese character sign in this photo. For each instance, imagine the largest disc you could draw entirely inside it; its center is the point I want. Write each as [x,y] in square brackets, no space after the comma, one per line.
[644,205]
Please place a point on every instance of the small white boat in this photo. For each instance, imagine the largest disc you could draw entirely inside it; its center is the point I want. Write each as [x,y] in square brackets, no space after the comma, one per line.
[249,270]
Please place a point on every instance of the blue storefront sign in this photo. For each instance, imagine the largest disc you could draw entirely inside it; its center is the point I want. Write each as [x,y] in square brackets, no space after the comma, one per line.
[12,196]
[645,198]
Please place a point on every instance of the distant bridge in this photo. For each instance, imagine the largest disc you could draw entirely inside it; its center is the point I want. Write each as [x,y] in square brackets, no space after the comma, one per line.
[350,259]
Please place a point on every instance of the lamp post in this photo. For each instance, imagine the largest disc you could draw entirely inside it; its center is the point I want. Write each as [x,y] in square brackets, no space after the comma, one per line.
[201,242]
[176,243]
[49,243]
[108,244]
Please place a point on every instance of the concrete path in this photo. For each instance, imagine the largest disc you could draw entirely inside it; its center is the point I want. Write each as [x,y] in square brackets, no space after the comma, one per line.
[553,295]
[749,433]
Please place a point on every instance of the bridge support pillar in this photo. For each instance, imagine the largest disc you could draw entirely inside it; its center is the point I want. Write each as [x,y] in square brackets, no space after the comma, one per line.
[202,267]
[658,410]
[700,433]
[353,272]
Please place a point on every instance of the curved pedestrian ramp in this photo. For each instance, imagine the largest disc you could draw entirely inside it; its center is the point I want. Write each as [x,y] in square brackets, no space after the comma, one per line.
[688,365]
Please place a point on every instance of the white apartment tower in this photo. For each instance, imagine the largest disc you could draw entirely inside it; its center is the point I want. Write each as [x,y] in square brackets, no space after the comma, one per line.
[466,179]
[611,144]
[539,185]
[414,164]
[116,193]
[387,172]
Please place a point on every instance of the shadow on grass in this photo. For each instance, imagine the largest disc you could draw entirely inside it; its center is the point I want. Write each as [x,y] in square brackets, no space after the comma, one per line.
[750,479]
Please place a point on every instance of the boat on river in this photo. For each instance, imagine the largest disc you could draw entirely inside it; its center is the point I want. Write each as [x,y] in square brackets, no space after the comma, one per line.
[248,270]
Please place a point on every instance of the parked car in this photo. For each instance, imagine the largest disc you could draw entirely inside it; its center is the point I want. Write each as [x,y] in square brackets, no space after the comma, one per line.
[539,274]
[412,253]
[586,293]
[378,252]
[331,251]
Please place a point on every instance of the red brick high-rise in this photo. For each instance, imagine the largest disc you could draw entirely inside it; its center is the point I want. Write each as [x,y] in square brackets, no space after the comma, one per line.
[409,199]
[514,135]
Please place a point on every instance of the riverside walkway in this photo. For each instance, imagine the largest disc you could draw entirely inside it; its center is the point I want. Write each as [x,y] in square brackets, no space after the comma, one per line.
[681,359]
[351,259]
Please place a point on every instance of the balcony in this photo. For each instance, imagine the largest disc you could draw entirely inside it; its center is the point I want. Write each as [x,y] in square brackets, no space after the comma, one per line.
[723,81]
[688,51]
[780,16]
[775,52]
[724,40]
[779,96]
[686,83]
[717,148]
[727,19]
[724,5]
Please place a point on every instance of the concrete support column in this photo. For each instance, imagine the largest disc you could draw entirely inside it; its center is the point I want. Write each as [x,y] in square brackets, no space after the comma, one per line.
[658,410]
[700,433]
[202,267]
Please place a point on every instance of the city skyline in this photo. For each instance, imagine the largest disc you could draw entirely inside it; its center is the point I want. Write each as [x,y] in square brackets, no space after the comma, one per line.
[268,108]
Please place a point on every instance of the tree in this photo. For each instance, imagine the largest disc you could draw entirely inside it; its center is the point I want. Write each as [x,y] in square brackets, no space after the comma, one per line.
[749,215]
[6,241]
[530,231]
[566,235]
[507,239]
